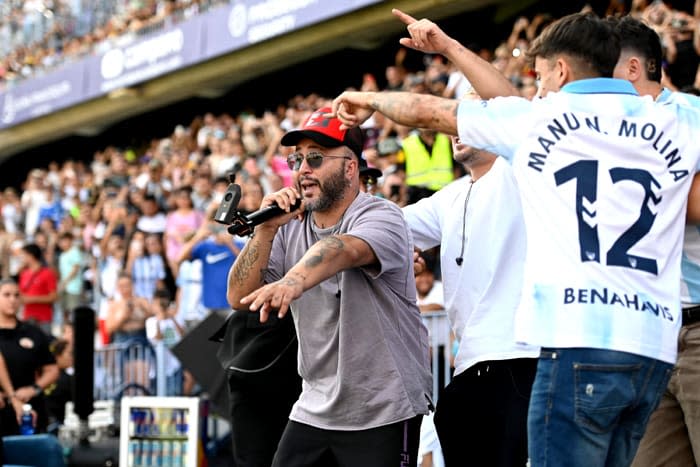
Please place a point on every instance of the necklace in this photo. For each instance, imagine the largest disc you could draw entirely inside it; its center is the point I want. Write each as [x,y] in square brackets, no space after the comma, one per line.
[334,230]
[460,259]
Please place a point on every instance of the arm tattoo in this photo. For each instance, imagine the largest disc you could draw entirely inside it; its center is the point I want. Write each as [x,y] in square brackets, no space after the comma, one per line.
[417,110]
[327,245]
[245,262]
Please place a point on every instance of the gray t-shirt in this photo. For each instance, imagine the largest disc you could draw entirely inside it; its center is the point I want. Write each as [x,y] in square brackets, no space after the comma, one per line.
[363,356]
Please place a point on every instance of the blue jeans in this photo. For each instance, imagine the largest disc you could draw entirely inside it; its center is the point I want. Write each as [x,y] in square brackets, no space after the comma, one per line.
[589,407]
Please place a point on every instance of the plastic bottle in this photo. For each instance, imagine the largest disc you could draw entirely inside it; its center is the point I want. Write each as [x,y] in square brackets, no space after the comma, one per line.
[26,426]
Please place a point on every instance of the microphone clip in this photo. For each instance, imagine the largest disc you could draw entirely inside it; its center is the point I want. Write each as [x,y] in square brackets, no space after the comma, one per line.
[239,223]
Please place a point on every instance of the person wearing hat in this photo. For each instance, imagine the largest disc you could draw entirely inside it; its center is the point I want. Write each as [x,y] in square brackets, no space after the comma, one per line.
[369,177]
[342,263]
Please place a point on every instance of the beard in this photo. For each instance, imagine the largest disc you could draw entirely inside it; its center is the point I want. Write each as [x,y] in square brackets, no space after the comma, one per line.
[467,156]
[332,190]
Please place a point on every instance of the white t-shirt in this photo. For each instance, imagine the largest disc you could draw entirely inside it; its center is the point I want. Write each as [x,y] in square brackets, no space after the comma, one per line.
[604,177]
[152,224]
[170,337]
[481,295]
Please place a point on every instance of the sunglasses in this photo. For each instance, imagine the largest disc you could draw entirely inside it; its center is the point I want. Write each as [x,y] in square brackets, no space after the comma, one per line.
[314,159]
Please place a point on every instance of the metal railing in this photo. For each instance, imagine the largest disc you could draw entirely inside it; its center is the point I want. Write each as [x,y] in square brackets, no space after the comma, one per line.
[440,348]
[134,369]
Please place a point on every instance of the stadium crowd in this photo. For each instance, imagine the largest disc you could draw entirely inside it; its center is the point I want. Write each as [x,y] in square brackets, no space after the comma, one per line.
[133,228]
[39,35]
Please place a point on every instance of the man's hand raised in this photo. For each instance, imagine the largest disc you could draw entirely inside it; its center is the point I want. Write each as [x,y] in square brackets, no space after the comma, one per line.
[352,108]
[426,36]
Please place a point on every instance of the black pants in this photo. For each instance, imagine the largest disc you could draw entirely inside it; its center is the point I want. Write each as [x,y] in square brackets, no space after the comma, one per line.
[260,411]
[481,416]
[394,445]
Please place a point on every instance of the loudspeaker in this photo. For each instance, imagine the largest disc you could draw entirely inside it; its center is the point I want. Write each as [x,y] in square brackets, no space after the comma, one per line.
[83,361]
[198,355]
[104,453]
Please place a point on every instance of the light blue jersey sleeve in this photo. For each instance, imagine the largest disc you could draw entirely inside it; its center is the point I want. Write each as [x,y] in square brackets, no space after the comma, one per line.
[497,125]
[682,99]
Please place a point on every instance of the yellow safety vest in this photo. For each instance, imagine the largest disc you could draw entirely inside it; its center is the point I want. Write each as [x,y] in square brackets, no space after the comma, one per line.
[426,170]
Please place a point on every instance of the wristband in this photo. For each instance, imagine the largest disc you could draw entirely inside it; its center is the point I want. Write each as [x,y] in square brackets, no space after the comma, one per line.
[37,389]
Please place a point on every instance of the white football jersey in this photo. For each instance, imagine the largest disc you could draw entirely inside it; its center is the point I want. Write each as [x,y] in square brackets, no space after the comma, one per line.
[690,262]
[604,176]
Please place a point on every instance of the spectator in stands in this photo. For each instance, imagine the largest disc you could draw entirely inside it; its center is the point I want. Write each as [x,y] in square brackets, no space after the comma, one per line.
[252,194]
[38,287]
[188,297]
[127,314]
[181,223]
[7,395]
[30,364]
[6,240]
[394,188]
[153,183]
[32,199]
[61,391]
[108,268]
[12,211]
[164,326]
[71,263]
[202,192]
[214,247]
[428,161]
[152,219]
[146,265]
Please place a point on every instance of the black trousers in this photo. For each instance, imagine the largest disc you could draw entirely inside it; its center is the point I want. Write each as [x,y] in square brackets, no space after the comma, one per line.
[394,445]
[481,416]
[259,413]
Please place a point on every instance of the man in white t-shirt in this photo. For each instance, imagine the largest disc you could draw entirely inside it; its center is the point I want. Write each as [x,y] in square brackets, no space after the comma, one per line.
[482,257]
[604,177]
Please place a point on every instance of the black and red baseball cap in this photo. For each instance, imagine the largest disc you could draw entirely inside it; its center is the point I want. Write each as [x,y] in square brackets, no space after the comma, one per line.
[326,132]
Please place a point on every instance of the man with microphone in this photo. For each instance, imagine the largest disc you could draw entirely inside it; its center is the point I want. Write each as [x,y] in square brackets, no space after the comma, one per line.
[342,264]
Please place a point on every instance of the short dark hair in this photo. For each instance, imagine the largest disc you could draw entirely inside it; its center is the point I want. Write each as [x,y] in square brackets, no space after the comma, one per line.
[637,37]
[592,42]
[32,249]
[58,346]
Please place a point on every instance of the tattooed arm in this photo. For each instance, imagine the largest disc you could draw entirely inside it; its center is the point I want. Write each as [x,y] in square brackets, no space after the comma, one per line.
[410,109]
[323,260]
[247,272]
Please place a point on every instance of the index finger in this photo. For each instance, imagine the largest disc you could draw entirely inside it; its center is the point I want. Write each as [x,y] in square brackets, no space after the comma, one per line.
[404,17]
[335,105]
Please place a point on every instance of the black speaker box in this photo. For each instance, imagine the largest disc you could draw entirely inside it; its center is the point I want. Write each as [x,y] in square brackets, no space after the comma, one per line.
[103,453]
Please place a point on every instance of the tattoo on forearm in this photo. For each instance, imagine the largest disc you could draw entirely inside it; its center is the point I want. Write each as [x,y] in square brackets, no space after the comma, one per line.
[245,262]
[327,245]
[402,108]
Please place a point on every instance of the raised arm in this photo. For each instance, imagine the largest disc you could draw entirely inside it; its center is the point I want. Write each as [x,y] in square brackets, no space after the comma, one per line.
[427,37]
[414,110]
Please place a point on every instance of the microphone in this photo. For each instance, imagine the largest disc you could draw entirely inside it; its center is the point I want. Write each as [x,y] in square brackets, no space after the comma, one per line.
[244,225]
